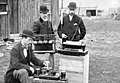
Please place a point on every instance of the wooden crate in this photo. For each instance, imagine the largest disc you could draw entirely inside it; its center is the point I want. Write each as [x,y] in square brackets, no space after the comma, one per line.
[76,67]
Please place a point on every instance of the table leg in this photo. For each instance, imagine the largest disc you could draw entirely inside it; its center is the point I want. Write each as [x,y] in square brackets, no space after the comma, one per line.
[51,59]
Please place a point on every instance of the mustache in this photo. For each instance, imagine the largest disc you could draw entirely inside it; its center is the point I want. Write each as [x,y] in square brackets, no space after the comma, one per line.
[72,13]
[44,17]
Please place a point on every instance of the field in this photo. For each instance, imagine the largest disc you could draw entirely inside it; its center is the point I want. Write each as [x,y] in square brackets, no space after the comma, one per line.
[103,44]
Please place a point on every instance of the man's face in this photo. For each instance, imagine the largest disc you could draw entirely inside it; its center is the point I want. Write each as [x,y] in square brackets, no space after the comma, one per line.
[71,12]
[27,41]
[44,16]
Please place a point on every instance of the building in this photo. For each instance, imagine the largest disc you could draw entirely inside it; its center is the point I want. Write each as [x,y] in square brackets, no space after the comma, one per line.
[86,11]
[17,15]
[95,7]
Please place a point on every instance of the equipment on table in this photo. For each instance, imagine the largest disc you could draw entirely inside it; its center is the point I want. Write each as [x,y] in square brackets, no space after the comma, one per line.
[44,43]
[49,74]
[74,48]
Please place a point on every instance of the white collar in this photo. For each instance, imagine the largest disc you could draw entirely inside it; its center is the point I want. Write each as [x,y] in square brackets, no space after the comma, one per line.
[22,43]
[70,17]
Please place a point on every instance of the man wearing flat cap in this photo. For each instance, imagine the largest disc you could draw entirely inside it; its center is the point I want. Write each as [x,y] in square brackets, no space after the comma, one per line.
[21,57]
[71,27]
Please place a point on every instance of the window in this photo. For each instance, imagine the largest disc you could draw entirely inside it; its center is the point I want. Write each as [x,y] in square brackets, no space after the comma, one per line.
[3,7]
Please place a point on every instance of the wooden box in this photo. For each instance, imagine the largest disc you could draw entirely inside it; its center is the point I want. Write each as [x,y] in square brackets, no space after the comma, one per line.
[76,67]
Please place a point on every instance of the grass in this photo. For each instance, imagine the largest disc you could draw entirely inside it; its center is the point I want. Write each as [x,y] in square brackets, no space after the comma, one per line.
[103,44]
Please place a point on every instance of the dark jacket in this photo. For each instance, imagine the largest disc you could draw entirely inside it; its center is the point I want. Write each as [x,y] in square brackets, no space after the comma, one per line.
[19,61]
[69,28]
[42,27]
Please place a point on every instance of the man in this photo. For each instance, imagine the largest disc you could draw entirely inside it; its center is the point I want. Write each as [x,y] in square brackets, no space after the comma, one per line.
[71,27]
[43,25]
[21,56]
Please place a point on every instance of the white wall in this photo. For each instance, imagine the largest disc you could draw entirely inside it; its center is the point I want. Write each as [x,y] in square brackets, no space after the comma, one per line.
[102,4]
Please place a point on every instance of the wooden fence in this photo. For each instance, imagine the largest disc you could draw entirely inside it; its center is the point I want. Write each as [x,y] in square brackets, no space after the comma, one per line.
[20,15]
[4,23]
[23,13]
[4,26]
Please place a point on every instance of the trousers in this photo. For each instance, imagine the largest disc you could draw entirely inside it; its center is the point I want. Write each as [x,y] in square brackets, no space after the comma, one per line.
[21,75]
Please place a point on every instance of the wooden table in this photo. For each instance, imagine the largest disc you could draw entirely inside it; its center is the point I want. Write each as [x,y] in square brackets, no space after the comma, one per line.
[76,67]
[33,80]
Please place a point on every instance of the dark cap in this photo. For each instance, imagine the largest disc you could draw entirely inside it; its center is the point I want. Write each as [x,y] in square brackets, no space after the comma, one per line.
[43,9]
[28,33]
[72,5]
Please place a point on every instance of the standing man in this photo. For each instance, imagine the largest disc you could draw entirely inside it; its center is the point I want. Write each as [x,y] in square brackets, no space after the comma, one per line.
[21,56]
[44,26]
[71,27]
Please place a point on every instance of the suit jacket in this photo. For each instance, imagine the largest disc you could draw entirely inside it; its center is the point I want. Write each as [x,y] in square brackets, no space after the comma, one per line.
[42,27]
[19,61]
[74,27]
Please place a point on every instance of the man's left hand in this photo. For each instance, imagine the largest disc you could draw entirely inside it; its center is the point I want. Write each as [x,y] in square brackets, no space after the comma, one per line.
[78,37]
[46,63]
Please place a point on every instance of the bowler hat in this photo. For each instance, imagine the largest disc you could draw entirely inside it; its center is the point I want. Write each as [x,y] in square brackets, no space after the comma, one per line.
[44,9]
[72,5]
[28,33]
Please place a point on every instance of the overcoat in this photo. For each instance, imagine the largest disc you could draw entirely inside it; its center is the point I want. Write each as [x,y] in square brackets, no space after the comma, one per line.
[19,61]
[75,28]
[43,27]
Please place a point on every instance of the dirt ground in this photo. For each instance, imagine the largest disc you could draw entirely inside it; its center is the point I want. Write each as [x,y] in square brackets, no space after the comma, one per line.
[103,44]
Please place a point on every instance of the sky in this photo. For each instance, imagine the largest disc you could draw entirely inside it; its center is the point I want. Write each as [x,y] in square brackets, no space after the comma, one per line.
[102,4]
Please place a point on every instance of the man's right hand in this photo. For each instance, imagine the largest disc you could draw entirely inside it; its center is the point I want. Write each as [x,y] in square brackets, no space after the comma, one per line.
[64,36]
[32,69]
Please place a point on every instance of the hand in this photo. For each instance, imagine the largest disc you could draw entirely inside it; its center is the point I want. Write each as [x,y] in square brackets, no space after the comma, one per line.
[64,36]
[32,69]
[15,74]
[78,37]
[46,63]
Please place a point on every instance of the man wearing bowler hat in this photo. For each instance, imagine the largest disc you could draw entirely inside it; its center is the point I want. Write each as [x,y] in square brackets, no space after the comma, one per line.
[21,57]
[71,27]
[43,25]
